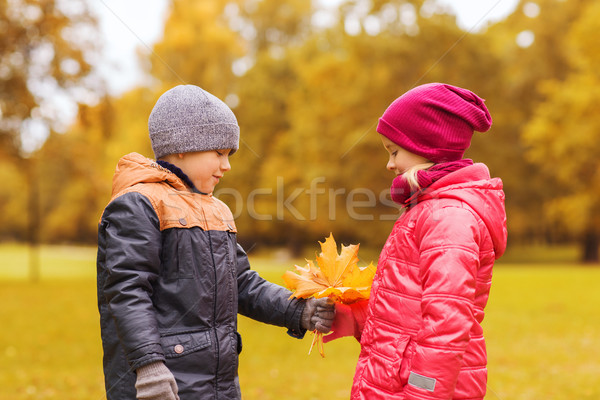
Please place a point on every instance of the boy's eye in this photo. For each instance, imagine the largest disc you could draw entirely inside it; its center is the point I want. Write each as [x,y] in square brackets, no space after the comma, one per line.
[218,152]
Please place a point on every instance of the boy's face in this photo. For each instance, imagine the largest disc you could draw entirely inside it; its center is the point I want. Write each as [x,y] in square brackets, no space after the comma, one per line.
[205,168]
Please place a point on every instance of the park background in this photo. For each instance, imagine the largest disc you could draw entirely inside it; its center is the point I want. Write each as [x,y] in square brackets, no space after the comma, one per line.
[307,82]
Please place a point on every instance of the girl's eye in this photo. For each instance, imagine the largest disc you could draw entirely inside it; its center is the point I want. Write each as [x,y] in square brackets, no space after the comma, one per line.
[394,153]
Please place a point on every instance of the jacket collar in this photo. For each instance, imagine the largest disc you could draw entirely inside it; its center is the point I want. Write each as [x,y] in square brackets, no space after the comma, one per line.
[484,195]
[134,168]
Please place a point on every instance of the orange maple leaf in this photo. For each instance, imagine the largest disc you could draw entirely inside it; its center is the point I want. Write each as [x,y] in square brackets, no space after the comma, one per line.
[336,276]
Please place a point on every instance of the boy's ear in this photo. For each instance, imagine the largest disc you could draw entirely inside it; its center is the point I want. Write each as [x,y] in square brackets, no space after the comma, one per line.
[180,156]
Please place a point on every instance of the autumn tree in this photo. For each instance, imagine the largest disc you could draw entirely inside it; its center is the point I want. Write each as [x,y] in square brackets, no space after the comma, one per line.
[198,47]
[76,190]
[307,99]
[529,48]
[307,96]
[45,51]
[329,89]
[563,137]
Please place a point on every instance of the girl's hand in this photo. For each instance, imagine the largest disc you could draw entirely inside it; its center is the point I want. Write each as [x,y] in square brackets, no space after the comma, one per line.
[349,320]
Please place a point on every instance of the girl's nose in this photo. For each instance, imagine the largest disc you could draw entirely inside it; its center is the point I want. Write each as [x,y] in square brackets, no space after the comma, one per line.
[390,165]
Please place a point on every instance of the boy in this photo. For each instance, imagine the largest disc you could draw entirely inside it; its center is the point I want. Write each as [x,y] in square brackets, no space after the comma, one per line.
[171,276]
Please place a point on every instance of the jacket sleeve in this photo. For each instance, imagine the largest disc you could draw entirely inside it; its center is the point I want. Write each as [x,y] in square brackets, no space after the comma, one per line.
[132,240]
[267,302]
[449,259]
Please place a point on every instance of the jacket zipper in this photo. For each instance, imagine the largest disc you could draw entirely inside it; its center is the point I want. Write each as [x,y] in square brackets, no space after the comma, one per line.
[212,255]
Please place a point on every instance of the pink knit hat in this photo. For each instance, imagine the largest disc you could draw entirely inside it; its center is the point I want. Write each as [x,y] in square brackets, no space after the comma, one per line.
[435,121]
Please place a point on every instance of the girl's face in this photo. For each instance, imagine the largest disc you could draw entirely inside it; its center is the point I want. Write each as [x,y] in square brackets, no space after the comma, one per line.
[400,160]
[204,168]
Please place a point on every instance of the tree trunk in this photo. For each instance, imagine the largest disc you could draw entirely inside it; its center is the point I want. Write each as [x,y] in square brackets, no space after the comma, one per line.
[591,242]
[33,223]
[295,244]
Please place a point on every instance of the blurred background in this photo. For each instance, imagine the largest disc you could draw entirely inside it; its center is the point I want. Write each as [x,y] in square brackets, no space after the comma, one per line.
[307,82]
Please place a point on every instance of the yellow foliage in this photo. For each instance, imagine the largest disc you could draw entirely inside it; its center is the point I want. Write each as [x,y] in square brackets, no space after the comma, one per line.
[337,276]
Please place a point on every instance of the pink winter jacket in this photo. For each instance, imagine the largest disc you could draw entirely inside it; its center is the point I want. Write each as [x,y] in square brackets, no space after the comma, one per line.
[423,338]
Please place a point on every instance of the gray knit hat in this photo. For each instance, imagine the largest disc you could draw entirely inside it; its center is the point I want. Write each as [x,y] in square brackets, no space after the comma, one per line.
[188,118]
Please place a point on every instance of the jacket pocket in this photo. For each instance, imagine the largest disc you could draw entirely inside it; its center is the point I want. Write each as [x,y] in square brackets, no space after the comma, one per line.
[239,342]
[184,343]
[178,258]
[385,361]
[406,363]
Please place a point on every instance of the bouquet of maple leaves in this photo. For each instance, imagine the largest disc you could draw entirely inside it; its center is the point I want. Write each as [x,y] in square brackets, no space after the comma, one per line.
[336,276]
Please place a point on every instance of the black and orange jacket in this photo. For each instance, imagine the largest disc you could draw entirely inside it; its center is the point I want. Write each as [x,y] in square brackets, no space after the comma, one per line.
[171,281]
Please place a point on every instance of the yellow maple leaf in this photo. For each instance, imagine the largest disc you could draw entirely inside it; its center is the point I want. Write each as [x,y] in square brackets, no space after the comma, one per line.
[336,276]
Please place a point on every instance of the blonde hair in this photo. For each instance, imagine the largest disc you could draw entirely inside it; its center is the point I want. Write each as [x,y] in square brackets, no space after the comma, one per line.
[411,174]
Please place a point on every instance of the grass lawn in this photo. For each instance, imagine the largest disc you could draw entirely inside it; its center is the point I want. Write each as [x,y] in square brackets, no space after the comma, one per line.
[542,331]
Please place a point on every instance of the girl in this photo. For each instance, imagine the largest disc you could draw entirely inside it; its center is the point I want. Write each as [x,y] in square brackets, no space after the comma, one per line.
[420,333]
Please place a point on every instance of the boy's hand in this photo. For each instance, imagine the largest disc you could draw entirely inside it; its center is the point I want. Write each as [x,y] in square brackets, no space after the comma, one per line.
[318,314]
[155,382]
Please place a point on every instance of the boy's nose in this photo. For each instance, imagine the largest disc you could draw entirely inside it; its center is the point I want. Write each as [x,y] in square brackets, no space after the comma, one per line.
[225,166]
